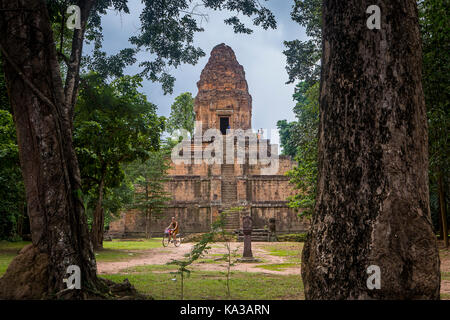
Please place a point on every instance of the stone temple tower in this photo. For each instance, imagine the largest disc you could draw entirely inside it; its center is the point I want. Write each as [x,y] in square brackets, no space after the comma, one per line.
[223,99]
[200,191]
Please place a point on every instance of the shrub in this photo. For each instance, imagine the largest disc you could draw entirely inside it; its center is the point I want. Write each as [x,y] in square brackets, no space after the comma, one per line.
[292,237]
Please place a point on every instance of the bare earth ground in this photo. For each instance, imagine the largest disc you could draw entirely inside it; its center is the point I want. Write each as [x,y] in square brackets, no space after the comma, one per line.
[163,255]
[445,267]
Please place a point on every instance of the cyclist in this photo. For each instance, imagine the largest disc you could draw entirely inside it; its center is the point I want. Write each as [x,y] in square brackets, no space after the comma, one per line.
[173,229]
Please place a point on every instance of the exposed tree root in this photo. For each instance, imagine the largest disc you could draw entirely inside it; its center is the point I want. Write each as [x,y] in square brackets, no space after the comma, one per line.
[27,278]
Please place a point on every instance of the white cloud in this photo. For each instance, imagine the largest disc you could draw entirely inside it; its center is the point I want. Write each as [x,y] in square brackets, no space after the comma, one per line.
[260,54]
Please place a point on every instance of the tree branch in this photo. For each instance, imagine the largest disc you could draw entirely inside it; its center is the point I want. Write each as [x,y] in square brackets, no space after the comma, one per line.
[35,90]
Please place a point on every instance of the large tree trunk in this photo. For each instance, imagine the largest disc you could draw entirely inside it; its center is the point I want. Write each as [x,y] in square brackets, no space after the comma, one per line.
[372,203]
[98,223]
[48,161]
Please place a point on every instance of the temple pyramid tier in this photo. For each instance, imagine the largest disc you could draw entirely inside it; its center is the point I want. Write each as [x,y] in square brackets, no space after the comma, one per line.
[200,190]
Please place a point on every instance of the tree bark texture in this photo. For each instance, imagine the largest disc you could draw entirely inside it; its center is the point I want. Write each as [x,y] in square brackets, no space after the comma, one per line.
[372,205]
[49,165]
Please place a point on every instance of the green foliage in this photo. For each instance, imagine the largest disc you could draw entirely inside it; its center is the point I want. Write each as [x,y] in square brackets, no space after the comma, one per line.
[167,30]
[299,138]
[302,57]
[182,115]
[150,197]
[114,125]
[287,142]
[13,216]
[115,199]
[304,133]
[435,26]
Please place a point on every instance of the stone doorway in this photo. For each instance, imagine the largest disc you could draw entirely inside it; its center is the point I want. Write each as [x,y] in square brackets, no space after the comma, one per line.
[224,123]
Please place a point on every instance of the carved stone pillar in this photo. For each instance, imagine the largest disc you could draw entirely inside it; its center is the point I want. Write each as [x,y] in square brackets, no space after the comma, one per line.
[247,224]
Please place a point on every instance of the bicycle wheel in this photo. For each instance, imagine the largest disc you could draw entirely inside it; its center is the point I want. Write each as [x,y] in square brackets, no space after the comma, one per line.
[165,240]
[177,241]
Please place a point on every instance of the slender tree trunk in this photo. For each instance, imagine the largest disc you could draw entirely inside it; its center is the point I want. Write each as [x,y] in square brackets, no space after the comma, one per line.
[147,225]
[441,229]
[98,222]
[443,209]
[73,67]
[372,204]
[146,212]
[49,165]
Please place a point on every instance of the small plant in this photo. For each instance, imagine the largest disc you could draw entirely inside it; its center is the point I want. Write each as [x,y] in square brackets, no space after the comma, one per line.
[197,251]
[227,236]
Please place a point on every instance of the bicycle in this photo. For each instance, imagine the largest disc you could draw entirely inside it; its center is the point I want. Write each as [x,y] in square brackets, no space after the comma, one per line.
[165,239]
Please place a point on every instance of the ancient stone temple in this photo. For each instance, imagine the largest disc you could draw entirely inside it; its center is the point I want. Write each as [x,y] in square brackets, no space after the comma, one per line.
[244,171]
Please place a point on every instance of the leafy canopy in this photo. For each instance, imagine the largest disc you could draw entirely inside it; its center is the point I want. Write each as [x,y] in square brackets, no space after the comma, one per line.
[166,33]
[182,115]
[302,57]
[114,124]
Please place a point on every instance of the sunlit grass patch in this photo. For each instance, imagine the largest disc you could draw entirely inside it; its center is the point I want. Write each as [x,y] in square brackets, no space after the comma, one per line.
[445,296]
[277,266]
[205,260]
[138,244]
[150,268]
[291,251]
[5,260]
[8,250]
[109,255]
[13,246]
[210,285]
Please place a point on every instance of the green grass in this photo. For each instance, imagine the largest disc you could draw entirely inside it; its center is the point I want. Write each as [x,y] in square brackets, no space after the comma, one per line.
[150,268]
[5,259]
[205,260]
[118,250]
[211,285]
[278,266]
[115,250]
[8,250]
[291,251]
[445,296]
[109,255]
[134,244]
[445,275]
[14,246]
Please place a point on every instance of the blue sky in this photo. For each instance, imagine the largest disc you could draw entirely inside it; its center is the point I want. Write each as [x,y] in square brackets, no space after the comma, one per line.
[260,53]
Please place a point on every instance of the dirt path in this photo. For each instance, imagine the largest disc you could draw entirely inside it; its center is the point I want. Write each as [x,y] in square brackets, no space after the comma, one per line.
[163,255]
[152,256]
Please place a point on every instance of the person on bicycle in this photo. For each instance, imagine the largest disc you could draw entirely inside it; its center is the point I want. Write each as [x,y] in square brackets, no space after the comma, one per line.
[173,229]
